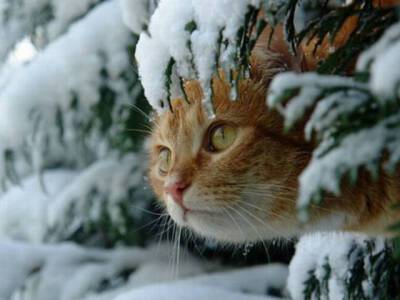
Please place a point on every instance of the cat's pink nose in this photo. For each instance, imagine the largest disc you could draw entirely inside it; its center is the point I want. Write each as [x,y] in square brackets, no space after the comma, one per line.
[176,190]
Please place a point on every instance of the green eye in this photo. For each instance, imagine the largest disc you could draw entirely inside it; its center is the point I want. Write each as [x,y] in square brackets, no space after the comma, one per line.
[221,137]
[164,160]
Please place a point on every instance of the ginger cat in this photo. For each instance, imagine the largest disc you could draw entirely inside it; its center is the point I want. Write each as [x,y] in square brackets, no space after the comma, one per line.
[234,178]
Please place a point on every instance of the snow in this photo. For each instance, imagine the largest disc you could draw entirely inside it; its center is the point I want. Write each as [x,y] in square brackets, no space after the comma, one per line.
[316,250]
[385,79]
[336,99]
[50,70]
[248,283]
[311,87]
[312,251]
[47,18]
[30,213]
[23,208]
[185,292]
[69,272]
[355,150]
[104,185]
[24,51]
[381,59]
[70,65]
[136,13]
[193,50]
[332,108]
[65,12]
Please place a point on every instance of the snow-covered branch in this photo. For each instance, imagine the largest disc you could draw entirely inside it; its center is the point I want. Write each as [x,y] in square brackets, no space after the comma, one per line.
[192,41]
[355,120]
[51,99]
[43,19]
[69,272]
[342,266]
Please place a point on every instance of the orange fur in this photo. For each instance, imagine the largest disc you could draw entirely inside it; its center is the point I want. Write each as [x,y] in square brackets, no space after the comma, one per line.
[248,192]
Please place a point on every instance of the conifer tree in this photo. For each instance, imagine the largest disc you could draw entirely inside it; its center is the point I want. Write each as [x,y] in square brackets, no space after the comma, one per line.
[73,106]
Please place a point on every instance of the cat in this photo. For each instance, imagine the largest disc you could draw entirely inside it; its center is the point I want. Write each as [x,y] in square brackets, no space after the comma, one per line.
[234,178]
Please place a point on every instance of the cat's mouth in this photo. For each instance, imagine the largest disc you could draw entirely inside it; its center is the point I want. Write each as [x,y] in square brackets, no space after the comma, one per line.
[182,214]
[198,213]
[207,222]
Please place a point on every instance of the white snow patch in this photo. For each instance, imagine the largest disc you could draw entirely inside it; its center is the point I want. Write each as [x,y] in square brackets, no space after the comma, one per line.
[53,75]
[382,59]
[69,66]
[340,251]
[355,150]
[312,252]
[47,18]
[169,39]
[136,13]
[111,178]
[310,85]
[69,272]
[249,283]
[23,208]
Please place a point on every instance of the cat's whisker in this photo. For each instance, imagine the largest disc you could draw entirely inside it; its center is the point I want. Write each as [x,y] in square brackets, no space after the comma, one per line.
[175,252]
[149,127]
[274,186]
[261,239]
[149,212]
[196,246]
[257,218]
[154,222]
[265,187]
[139,110]
[284,201]
[172,254]
[178,251]
[170,230]
[160,234]
[268,211]
[168,223]
[234,221]
[138,130]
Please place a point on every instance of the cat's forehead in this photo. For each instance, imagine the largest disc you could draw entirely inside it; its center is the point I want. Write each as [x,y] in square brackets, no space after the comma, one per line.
[183,126]
[187,122]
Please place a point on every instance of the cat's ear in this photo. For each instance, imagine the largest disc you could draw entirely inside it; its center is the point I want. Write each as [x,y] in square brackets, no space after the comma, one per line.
[271,55]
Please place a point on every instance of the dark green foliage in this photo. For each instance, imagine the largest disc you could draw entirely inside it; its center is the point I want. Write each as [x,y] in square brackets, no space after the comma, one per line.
[316,288]
[168,81]
[372,273]
[11,173]
[312,287]
[104,222]
[116,281]
[326,21]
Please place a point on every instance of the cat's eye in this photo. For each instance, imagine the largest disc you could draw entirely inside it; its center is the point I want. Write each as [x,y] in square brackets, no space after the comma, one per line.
[164,160]
[221,137]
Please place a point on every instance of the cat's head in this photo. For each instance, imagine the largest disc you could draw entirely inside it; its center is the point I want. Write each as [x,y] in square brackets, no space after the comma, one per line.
[234,177]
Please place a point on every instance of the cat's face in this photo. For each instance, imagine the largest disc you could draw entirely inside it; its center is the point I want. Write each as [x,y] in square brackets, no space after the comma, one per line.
[232,178]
